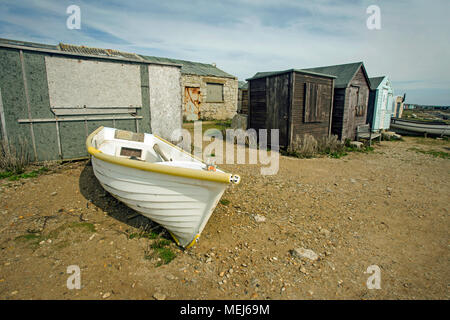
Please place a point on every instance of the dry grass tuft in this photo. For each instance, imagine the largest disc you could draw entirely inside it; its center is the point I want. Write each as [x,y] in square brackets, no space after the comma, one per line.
[14,158]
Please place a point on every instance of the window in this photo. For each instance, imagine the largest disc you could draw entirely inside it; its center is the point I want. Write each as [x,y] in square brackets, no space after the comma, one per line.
[315,102]
[214,92]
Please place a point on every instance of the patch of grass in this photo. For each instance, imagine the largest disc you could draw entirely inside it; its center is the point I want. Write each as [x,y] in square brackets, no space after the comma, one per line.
[225,202]
[166,255]
[6,174]
[338,154]
[81,226]
[14,176]
[429,141]
[434,153]
[309,147]
[31,239]
[159,244]
[160,250]
[148,235]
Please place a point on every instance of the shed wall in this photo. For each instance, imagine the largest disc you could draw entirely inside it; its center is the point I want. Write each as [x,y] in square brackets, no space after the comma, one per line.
[47,80]
[165,100]
[345,119]
[212,110]
[92,83]
[300,127]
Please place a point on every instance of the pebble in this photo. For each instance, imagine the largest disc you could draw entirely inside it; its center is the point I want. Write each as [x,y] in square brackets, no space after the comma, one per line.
[159,296]
[259,218]
[304,254]
[325,232]
[170,277]
[54,193]
[106,295]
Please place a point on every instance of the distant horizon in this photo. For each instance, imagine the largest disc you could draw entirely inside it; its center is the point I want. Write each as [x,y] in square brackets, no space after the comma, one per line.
[246,37]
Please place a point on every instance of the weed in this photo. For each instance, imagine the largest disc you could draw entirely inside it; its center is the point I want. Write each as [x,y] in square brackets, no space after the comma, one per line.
[224,202]
[434,153]
[81,226]
[143,234]
[14,176]
[160,250]
[31,239]
[14,157]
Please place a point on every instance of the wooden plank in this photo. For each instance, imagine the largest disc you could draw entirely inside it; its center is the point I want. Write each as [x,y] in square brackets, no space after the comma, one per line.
[27,97]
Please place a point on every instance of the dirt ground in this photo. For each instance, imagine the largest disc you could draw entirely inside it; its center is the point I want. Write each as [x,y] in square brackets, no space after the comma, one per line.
[387,208]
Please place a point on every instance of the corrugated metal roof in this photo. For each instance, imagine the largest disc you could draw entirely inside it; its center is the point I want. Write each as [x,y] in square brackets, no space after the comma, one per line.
[273,73]
[98,51]
[375,82]
[344,73]
[190,67]
[79,51]
[28,44]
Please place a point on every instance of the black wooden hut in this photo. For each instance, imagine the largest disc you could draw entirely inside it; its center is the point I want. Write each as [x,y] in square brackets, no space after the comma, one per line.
[296,102]
[351,96]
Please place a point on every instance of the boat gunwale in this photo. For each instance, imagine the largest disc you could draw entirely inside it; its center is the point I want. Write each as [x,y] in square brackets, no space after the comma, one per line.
[220,177]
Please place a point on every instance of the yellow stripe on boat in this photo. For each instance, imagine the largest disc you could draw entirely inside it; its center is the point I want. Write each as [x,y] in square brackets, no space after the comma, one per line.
[153,167]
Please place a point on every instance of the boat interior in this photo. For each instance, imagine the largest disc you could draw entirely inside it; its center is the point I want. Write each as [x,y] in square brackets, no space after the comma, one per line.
[143,147]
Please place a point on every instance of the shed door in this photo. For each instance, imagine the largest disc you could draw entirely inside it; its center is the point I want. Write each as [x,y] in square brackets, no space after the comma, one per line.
[384,105]
[353,105]
[191,103]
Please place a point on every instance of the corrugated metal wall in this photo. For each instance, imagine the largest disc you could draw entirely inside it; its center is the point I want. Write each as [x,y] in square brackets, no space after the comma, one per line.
[33,84]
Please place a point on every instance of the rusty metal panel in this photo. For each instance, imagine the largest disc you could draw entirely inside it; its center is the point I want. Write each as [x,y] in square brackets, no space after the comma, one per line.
[192,103]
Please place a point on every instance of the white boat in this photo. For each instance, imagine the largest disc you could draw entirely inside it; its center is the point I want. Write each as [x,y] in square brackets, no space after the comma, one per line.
[158,180]
[420,127]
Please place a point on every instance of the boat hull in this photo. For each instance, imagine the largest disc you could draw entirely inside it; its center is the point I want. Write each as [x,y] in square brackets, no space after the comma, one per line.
[419,127]
[158,180]
[181,205]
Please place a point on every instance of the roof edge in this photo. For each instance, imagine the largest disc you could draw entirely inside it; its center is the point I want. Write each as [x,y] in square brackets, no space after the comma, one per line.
[274,73]
[65,53]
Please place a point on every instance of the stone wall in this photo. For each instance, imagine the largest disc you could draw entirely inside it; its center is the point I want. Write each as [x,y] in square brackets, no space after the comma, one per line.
[219,110]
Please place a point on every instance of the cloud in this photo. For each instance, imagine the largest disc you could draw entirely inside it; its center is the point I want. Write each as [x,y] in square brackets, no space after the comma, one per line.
[244,37]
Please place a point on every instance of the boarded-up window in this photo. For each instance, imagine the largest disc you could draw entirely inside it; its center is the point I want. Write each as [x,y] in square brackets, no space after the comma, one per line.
[360,111]
[214,92]
[315,102]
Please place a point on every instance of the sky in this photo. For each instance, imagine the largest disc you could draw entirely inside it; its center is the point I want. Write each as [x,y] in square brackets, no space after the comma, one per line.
[243,37]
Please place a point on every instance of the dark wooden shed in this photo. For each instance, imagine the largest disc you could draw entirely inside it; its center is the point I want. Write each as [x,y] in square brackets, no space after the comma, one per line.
[296,102]
[351,96]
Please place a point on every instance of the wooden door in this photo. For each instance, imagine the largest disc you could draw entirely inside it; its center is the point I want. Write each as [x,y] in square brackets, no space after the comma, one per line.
[352,108]
[384,104]
[192,103]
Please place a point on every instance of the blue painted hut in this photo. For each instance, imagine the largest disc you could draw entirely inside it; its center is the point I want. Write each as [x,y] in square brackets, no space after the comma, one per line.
[381,100]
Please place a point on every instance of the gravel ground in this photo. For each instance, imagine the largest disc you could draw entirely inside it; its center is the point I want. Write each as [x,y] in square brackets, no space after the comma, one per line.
[308,232]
